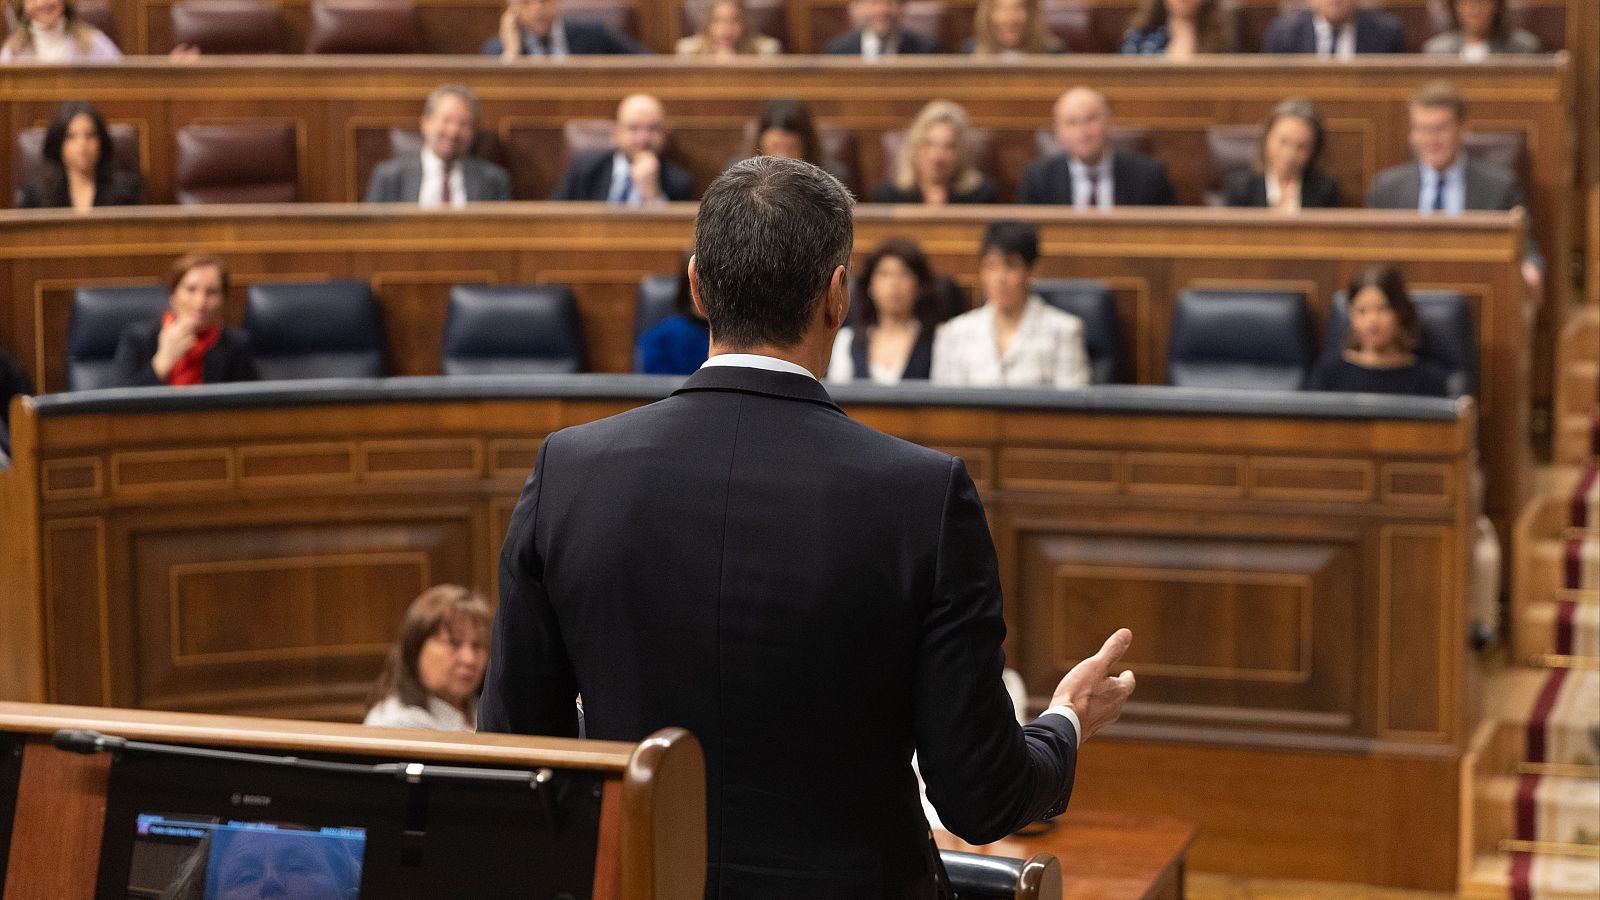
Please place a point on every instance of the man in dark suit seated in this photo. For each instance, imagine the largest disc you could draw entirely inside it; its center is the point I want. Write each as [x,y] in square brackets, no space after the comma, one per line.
[632,173]
[1444,180]
[1090,173]
[537,28]
[1335,29]
[814,600]
[881,33]
[442,174]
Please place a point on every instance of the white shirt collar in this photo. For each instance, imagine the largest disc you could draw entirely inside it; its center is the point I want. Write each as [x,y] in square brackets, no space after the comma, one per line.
[873,46]
[757,361]
[1346,33]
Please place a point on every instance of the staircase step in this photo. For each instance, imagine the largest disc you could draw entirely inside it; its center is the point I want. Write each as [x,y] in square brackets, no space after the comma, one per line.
[1561,814]
[1565,627]
[1568,706]
[1540,877]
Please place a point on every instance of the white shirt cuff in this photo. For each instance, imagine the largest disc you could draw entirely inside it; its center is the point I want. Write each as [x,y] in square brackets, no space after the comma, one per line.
[1067,713]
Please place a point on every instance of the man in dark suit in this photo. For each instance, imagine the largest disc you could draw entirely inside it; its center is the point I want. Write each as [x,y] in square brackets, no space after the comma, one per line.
[1335,29]
[537,28]
[441,174]
[813,599]
[881,33]
[1090,173]
[1443,179]
[632,172]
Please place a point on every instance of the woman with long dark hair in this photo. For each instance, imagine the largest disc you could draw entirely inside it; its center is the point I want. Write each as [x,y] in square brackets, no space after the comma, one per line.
[897,310]
[81,170]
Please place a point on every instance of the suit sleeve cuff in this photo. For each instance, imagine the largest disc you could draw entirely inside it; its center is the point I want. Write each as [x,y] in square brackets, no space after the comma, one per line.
[1067,713]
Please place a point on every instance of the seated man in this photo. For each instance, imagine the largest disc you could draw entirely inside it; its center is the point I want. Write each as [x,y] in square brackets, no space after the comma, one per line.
[1337,29]
[632,173]
[1090,173]
[537,28]
[442,174]
[881,33]
[1443,179]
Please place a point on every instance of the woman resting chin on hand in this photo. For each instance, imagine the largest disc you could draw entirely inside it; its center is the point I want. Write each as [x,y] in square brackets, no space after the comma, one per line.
[189,345]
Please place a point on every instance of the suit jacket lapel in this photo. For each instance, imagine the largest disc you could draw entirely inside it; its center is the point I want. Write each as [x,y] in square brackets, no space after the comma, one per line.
[469,179]
[411,182]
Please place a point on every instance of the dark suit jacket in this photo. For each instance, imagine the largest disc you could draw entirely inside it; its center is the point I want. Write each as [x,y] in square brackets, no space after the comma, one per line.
[813,599]
[849,43]
[886,192]
[589,178]
[229,360]
[1318,190]
[399,180]
[1489,186]
[1376,32]
[583,39]
[1136,180]
[122,189]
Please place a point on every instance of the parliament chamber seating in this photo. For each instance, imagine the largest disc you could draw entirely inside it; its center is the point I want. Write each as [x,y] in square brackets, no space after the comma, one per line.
[621,16]
[237,162]
[1449,335]
[29,160]
[1230,149]
[99,13]
[99,314]
[841,155]
[1092,301]
[329,329]
[1240,340]
[656,301]
[227,26]
[363,26]
[512,329]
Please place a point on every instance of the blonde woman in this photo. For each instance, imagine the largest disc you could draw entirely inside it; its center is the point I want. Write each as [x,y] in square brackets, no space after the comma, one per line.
[50,31]
[935,165]
[725,32]
[1011,28]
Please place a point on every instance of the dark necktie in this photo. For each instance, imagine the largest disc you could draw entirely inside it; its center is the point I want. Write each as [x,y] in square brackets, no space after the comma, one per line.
[1094,188]
[444,187]
[1333,42]
[1438,193]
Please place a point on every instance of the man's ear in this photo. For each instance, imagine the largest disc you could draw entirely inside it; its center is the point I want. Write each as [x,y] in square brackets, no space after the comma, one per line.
[837,302]
[694,290]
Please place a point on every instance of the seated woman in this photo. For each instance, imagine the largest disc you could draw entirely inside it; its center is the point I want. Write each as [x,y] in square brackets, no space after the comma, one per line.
[1010,29]
[189,344]
[895,316]
[785,128]
[1479,28]
[678,344]
[1179,29]
[1015,339]
[50,31]
[1286,174]
[434,672]
[1380,351]
[935,166]
[80,168]
[725,32]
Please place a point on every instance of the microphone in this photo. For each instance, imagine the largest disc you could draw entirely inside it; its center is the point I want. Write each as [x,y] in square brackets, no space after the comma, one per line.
[77,740]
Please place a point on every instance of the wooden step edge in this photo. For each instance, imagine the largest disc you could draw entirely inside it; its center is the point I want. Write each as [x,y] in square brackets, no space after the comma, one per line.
[1562,661]
[1551,848]
[1559,770]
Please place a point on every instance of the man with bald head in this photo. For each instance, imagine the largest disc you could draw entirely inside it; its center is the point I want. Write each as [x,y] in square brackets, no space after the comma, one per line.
[632,172]
[1088,173]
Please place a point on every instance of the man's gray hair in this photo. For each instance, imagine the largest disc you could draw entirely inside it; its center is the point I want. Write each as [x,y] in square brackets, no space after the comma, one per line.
[768,237]
[460,92]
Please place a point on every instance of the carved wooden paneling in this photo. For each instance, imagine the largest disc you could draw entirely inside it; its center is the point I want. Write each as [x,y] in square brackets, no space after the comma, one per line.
[1185,473]
[281,465]
[296,611]
[1258,633]
[978,460]
[1417,483]
[1416,684]
[71,479]
[512,457]
[1091,471]
[410,459]
[1291,478]
[165,471]
[77,618]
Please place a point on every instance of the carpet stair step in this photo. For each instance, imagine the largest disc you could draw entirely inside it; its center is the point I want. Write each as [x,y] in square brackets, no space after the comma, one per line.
[1564,627]
[1541,877]
[1558,815]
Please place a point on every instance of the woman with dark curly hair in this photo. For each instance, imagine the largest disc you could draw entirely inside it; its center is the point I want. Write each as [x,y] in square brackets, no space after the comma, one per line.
[80,169]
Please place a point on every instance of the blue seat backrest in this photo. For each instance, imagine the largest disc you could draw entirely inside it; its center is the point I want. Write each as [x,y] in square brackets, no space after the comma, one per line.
[319,329]
[99,314]
[1093,303]
[1246,339]
[1449,335]
[512,329]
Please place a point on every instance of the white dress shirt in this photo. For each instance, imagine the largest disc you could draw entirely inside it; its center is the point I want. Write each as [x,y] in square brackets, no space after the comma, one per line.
[1046,351]
[554,46]
[757,361]
[1455,187]
[437,716]
[873,46]
[432,192]
[1104,185]
[1325,32]
[1275,190]
[842,367]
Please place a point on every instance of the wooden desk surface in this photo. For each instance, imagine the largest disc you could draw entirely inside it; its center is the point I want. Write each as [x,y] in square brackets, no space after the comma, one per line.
[1104,856]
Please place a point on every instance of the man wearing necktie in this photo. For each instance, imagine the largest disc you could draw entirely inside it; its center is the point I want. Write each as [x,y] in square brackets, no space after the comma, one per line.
[441,173]
[631,173]
[1443,179]
[1090,174]
[1335,29]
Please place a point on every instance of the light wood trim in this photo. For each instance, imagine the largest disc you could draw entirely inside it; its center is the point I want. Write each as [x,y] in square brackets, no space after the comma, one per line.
[664,818]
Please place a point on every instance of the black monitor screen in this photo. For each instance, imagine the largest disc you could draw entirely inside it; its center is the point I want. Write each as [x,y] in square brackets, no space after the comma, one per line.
[10,779]
[190,856]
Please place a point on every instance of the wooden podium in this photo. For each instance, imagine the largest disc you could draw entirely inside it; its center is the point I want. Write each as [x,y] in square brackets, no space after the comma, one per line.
[651,841]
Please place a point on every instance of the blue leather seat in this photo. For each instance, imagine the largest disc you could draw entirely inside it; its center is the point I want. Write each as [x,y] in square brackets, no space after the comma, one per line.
[320,329]
[99,314]
[512,329]
[1092,302]
[1449,335]
[657,302]
[1253,340]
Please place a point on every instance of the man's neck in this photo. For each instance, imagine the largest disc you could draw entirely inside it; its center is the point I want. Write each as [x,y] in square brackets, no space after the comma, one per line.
[803,355]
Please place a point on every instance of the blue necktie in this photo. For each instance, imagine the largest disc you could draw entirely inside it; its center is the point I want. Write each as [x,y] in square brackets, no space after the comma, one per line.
[1438,194]
[623,196]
